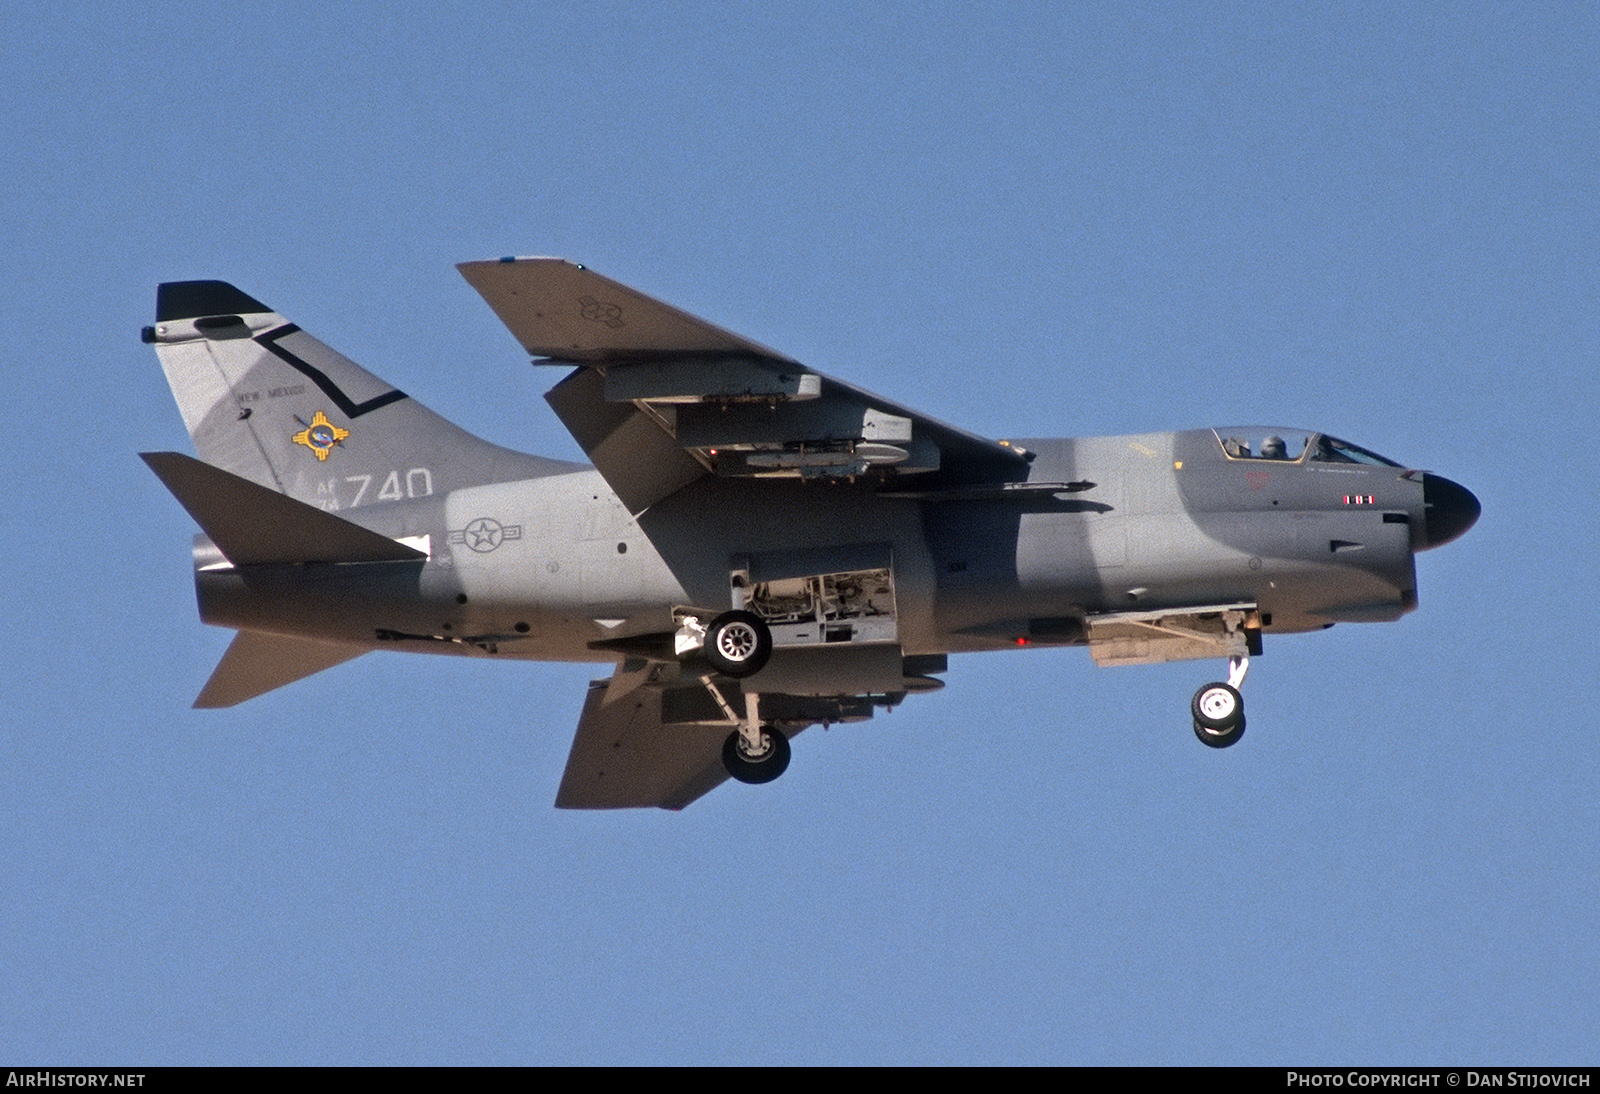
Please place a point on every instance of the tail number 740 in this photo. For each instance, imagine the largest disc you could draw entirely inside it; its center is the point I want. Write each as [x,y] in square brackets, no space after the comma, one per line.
[417,482]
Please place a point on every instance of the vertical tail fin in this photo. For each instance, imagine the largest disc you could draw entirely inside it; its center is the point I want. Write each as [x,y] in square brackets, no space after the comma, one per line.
[266,401]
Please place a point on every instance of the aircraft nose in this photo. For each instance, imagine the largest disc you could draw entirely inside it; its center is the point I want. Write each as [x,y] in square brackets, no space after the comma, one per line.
[1450,510]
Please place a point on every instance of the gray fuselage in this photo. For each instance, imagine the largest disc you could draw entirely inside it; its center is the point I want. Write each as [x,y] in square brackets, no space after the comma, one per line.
[555,568]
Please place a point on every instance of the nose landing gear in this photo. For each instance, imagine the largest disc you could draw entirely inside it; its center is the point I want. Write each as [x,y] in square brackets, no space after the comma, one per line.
[1218,708]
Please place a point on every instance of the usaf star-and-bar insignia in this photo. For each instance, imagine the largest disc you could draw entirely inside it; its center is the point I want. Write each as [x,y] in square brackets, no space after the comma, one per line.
[485,534]
[320,436]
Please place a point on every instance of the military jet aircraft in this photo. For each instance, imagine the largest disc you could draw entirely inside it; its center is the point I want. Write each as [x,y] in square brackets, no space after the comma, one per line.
[757,548]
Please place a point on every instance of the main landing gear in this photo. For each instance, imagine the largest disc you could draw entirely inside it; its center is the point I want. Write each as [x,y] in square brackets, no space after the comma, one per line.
[1218,708]
[738,644]
[755,752]
[760,764]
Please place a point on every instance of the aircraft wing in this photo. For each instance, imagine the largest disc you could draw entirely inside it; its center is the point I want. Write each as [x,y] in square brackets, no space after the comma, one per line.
[567,312]
[624,757]
[652,735]
[661,398]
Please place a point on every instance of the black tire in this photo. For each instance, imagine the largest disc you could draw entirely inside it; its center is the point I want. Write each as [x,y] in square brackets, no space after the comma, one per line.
[757,769]
[1219,738]
[738,643]
[1217,706]
[1218,711]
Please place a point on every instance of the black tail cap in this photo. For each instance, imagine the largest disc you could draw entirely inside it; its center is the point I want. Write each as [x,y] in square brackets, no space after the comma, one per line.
[193,299]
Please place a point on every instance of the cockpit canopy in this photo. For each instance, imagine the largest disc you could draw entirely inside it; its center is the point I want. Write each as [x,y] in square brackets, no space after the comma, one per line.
[1288,445]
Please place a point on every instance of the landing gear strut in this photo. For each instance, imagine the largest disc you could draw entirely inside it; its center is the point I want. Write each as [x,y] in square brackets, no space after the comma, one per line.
[1218,708]
[756,752]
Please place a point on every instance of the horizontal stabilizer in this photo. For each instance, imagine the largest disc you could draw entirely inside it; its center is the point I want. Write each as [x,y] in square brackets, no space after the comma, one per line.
[256,663]
[255,526]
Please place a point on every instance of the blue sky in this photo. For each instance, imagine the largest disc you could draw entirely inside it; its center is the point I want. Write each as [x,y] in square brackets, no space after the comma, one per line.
[1378,220]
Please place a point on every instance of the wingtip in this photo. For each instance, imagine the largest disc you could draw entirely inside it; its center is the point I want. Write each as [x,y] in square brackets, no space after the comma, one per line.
[158,462]
[510,260]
